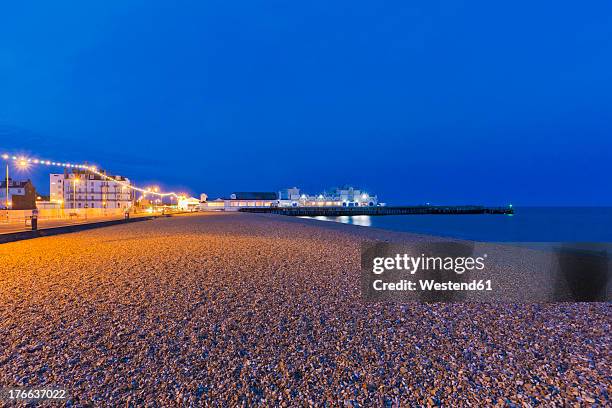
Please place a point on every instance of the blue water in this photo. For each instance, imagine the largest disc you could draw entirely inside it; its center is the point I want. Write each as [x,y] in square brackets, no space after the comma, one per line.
[528,224]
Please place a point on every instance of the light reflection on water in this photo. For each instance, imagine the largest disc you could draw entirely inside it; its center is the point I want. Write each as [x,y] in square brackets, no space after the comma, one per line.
[530,224]
[363,220]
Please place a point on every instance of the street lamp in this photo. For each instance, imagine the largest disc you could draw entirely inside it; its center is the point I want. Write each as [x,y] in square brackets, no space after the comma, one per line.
[75,181]
[22,164]
[6,157]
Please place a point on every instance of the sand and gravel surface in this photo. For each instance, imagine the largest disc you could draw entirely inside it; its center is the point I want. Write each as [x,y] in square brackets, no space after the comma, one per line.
[242,310]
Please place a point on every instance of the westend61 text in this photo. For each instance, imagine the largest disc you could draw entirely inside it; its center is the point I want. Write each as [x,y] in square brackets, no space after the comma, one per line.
[429,285]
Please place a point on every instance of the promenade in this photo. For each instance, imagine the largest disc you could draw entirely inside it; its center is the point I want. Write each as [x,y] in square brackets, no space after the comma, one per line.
[8,228]
[21,225]
[247,309]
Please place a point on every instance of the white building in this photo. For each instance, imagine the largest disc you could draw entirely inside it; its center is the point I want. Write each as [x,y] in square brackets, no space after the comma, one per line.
[188,204]
[291,197]
[82,189]
[240,200]
[338,197]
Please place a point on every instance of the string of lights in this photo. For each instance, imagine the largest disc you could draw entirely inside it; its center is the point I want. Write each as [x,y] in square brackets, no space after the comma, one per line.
[23,162]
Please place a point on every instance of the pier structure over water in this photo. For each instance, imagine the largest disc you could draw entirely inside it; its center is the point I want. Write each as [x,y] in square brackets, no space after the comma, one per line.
[403,210]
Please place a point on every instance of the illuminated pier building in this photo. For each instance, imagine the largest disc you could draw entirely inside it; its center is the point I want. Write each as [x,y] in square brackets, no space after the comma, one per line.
[339,197]
[291,197]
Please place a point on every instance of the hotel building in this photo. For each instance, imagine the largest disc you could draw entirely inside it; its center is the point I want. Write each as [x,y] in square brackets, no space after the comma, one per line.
[82,189]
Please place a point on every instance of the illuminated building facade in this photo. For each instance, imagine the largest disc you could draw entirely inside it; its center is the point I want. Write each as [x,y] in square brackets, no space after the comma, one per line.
[339,197]
[188,204]
[291,197]
[240,200]
[83,189]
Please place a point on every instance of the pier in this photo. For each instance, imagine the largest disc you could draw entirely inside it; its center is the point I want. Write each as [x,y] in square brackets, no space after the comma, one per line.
[403,210]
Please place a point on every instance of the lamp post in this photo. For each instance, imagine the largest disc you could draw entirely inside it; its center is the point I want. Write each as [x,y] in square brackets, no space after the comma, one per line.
[21,164]
[7,186]
[5,157]
[74,183]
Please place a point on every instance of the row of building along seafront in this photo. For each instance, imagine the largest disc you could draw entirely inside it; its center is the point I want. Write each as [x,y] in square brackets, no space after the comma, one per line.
[291,197]
[79,189]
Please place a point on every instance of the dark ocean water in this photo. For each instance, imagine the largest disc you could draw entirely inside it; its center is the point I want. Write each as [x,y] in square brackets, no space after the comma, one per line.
[528,224]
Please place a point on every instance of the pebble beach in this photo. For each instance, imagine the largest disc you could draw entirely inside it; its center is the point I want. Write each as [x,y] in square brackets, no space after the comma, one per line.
[255,310]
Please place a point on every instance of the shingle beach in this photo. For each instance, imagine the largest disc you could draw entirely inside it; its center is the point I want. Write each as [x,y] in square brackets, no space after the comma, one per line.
[242,310]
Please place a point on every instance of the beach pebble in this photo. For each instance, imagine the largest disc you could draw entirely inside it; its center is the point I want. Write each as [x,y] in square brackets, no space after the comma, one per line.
[243,310]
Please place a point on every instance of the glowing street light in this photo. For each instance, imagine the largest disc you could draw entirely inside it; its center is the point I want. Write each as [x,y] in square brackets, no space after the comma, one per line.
[23,163]
[6,157]
[75,181]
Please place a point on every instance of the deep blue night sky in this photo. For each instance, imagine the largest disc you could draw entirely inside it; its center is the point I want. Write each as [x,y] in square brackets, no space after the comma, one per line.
[485,102]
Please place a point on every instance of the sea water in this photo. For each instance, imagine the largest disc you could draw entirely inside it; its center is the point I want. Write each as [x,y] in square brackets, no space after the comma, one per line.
[527,224]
